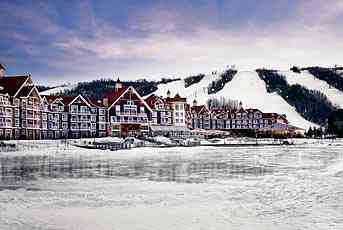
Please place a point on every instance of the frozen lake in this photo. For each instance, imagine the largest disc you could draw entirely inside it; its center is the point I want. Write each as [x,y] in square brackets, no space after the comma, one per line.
[288,187]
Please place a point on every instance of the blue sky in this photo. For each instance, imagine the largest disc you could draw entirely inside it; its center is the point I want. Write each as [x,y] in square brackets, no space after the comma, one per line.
[69,41]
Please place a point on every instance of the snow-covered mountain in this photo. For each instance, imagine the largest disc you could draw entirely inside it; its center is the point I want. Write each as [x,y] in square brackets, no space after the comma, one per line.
[58,89]
[246,87]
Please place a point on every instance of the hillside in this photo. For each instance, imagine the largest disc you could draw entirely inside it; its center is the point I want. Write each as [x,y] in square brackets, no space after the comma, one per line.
[246,87]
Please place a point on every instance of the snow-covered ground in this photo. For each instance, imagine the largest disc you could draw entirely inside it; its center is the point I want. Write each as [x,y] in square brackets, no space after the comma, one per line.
[58,89]
[309,81]
[288,188]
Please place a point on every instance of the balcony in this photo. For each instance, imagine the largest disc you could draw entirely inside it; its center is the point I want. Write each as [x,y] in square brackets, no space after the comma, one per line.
[32,107]
[4,114]
[32,126]
[131,114]
[81,112]
[122,121]
[5,124]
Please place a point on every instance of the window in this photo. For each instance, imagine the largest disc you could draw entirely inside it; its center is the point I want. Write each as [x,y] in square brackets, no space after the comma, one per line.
[177,107]
[142,109]
[113,119]
[74,109]
[102,127]
[64,125]
[64,117]
[102,111]
[93,118]
[117,108]
[130,107]
[84,109]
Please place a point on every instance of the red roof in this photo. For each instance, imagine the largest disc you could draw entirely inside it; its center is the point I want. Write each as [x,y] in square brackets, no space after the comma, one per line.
[95,102]
[12,84]
[24,92]
[152,99]
[65,99]
[114,95]
[198,108]
[177,98]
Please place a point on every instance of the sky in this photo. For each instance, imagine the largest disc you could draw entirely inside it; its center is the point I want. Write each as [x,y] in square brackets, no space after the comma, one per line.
[68,41]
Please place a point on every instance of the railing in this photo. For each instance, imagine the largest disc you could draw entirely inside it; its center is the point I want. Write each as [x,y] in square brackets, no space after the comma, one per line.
[131,114]
[5,114]
[81,112]
[130,122]
[5,124]
[33,107]
[81,120]
[34,117]
[32,126]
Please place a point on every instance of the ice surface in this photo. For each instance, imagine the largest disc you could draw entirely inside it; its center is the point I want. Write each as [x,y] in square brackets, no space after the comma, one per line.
[289,187]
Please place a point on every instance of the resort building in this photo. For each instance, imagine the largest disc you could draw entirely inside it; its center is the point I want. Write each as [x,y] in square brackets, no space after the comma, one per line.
[236,119]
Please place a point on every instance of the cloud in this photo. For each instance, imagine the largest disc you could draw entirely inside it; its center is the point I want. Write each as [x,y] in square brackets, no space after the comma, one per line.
[171,38]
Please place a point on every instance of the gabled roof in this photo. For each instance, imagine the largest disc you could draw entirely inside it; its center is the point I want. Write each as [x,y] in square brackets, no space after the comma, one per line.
[241,110]
[198,109]
[25,91]
[114,95]
[65,99]
[82,98]
[11,85]
[253,110]
[118,94]
[2,67]
[96,103]
[177,98]
[152,100]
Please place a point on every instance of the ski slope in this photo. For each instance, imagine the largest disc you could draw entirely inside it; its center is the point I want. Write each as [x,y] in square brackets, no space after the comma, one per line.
[246,87]
[58,89]
[307,80]
[196,91]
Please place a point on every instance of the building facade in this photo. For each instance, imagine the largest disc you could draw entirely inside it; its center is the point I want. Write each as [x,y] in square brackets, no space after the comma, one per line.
[236,119]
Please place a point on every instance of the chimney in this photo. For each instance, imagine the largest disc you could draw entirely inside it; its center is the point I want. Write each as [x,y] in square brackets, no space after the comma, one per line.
[118,85]
[2,71]
[168,94]
[195,103]
[240,105]
[105,102]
